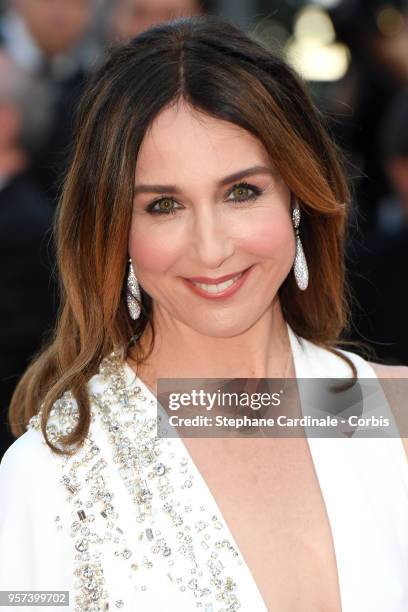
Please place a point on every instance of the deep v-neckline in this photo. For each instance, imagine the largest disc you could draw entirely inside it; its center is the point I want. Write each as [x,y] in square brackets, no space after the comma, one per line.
[302,370]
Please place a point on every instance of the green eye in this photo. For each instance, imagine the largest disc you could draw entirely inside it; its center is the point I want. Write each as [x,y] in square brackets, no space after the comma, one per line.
[245,192]
[241,192]
[164,206]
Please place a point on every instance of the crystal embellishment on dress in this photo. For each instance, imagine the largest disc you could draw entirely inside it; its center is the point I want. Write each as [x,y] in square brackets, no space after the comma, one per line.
[195,556]
[90,591]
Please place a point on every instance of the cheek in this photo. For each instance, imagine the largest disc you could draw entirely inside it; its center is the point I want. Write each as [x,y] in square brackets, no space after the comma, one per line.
[269,236]
[152,252]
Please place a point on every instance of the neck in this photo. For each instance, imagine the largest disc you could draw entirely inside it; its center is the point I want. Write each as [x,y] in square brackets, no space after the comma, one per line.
[262,351]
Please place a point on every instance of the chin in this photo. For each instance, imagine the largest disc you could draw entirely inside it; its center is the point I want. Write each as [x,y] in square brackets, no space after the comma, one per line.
[218,328]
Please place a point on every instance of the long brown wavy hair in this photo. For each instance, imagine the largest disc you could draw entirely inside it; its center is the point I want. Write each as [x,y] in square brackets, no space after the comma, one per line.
[220,70]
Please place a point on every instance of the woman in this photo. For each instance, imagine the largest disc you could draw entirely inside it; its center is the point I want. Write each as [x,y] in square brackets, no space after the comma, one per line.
[197,150]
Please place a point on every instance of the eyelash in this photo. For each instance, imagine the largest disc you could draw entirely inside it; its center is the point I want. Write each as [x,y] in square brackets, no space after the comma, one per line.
[257,192]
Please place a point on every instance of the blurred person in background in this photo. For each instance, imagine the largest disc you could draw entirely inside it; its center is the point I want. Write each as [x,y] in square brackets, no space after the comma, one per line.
[129,17]
[48,38]
[376,32]
[378,266]
[27,306]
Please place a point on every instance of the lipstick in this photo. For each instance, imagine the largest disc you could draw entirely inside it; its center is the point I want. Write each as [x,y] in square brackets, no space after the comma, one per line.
[217,288]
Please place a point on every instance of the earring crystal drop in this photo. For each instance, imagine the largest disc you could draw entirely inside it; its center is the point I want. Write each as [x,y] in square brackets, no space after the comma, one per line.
[300,266]
[134,298]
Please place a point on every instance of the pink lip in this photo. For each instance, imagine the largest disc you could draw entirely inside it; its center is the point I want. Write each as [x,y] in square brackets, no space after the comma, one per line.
[213,281]
[217,296]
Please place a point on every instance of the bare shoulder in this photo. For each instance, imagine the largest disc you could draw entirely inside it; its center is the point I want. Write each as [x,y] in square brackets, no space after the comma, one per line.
[392,371]
[389,371]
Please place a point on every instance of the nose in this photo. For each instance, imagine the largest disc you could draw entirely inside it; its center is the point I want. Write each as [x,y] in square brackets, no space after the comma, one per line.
[212,239]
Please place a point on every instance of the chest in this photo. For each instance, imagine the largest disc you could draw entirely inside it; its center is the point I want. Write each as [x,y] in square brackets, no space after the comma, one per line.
[270,498]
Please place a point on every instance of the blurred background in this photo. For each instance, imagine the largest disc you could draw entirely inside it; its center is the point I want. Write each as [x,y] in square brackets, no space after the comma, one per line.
[353,54]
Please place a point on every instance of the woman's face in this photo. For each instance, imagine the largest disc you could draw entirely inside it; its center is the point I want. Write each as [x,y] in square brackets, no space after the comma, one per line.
[192,218]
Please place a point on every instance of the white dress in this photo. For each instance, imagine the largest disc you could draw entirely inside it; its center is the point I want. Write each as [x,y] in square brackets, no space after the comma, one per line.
[129,523]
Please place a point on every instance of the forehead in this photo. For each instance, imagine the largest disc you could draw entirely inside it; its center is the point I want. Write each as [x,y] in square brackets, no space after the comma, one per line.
[184,141]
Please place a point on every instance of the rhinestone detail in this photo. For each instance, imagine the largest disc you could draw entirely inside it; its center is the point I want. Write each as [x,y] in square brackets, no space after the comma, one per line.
[160,484]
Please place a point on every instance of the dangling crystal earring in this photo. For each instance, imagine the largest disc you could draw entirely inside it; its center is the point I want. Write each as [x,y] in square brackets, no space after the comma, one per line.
[300,265]
[134,298]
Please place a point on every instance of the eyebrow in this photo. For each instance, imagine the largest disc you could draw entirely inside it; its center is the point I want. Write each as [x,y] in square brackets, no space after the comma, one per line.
[225,181]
